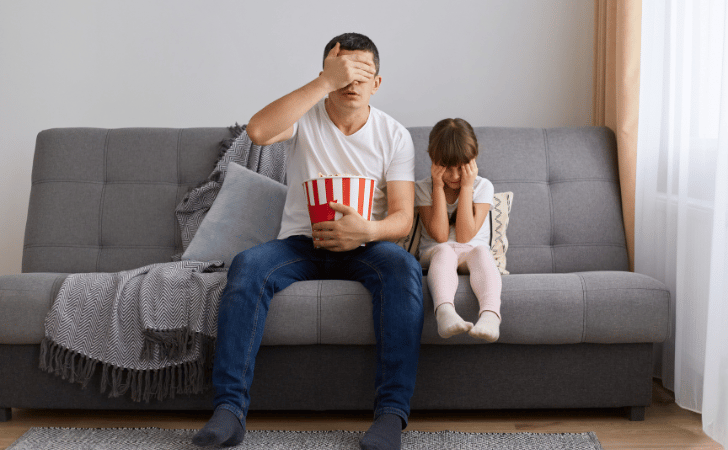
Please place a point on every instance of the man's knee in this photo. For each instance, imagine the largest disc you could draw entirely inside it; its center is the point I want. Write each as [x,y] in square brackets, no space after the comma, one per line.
[407,281]
[259,256]
[241,259]
[402,259]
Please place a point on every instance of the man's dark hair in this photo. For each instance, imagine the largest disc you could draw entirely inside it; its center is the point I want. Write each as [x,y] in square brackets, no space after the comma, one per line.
[354,41]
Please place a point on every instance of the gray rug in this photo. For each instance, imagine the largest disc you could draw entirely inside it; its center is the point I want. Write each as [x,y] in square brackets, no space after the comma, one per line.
[161,439]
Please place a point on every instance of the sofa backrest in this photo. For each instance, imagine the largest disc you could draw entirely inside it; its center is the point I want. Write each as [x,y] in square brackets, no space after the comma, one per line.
[103,200]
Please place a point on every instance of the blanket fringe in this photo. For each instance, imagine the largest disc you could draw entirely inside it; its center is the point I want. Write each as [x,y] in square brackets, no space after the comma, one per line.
[192,377]
[173,344]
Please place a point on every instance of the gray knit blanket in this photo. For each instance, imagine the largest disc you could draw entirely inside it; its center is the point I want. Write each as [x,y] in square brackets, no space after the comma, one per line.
[151,330]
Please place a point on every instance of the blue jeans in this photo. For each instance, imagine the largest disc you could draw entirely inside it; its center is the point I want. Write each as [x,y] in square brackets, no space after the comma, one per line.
[392,275]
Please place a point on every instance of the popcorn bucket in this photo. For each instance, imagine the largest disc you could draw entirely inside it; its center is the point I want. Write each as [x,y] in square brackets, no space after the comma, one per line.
[357,192]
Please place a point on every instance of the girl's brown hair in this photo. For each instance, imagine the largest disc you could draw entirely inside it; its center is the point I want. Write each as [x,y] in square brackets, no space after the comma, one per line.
[452,143]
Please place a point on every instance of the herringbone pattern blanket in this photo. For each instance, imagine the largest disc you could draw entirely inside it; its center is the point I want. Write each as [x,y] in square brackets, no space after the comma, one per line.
[150,329]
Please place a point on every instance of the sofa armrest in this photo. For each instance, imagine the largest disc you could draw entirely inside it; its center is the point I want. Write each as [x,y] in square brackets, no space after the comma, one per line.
[25,300]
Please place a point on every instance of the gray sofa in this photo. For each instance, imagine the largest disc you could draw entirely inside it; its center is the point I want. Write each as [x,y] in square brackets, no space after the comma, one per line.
[578,327]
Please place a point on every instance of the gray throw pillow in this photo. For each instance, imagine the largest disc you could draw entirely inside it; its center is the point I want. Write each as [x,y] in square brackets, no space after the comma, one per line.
[246,212]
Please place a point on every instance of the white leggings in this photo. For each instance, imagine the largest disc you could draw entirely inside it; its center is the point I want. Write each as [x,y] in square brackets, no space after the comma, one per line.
[442,277]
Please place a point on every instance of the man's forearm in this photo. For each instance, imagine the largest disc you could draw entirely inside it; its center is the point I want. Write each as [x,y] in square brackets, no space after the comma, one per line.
[392,228]
[280,115]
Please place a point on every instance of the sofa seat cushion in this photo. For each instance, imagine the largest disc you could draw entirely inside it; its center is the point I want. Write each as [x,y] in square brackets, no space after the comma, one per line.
[592,307]
[25,300]
[605,307]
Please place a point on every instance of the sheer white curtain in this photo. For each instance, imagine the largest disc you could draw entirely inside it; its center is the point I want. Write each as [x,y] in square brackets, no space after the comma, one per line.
[682,195]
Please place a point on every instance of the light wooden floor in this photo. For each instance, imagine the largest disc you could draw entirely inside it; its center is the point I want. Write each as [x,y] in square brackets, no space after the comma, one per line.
[666,426]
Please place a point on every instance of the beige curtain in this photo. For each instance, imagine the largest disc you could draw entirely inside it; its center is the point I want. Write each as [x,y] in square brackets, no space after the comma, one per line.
[617,30]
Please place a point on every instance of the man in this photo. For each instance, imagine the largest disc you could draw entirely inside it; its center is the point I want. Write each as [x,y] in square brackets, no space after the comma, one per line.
[330,127]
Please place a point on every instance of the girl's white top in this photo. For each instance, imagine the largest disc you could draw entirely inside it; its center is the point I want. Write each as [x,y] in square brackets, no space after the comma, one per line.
[482,193]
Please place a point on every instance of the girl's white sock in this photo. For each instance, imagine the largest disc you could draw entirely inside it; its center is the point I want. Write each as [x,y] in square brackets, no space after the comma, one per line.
[487,327]
[449,322]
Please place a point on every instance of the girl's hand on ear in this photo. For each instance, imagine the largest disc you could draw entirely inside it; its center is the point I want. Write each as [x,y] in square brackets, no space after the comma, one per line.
[437,172]
[468,172]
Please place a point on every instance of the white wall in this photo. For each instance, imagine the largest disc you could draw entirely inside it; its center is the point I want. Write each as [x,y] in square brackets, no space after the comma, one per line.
[183,63]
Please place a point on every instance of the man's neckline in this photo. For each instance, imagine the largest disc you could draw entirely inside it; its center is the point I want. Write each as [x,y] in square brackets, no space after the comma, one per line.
[328,116]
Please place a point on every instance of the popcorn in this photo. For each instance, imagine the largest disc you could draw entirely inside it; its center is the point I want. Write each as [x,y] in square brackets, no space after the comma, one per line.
[338,175]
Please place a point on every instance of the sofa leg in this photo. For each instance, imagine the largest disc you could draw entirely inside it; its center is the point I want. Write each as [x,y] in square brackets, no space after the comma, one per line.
[6,414]
[636,413]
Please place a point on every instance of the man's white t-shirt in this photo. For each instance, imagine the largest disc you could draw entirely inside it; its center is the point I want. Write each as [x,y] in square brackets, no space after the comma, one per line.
[382,149]
[482,193]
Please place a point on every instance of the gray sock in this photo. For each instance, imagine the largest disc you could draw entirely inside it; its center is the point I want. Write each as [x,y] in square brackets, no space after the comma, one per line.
[384,434]
[223,428]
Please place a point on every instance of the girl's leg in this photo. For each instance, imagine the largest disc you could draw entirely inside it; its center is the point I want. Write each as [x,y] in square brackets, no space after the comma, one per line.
[486,283]
[442,279]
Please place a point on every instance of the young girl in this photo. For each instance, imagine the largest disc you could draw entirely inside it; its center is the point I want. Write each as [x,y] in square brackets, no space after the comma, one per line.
[454,204]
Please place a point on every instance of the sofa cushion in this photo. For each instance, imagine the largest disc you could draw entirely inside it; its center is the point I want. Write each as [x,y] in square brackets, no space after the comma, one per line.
[499,219]
[25,300]
[591,307]
[247,212]
[622,305]
[103,200]
[583,307]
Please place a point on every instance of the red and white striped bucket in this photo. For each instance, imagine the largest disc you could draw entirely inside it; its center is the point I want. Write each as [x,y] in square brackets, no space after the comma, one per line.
[357,192]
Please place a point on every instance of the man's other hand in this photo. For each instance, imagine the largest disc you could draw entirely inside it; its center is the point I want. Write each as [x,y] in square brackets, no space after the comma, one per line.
[347,233]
